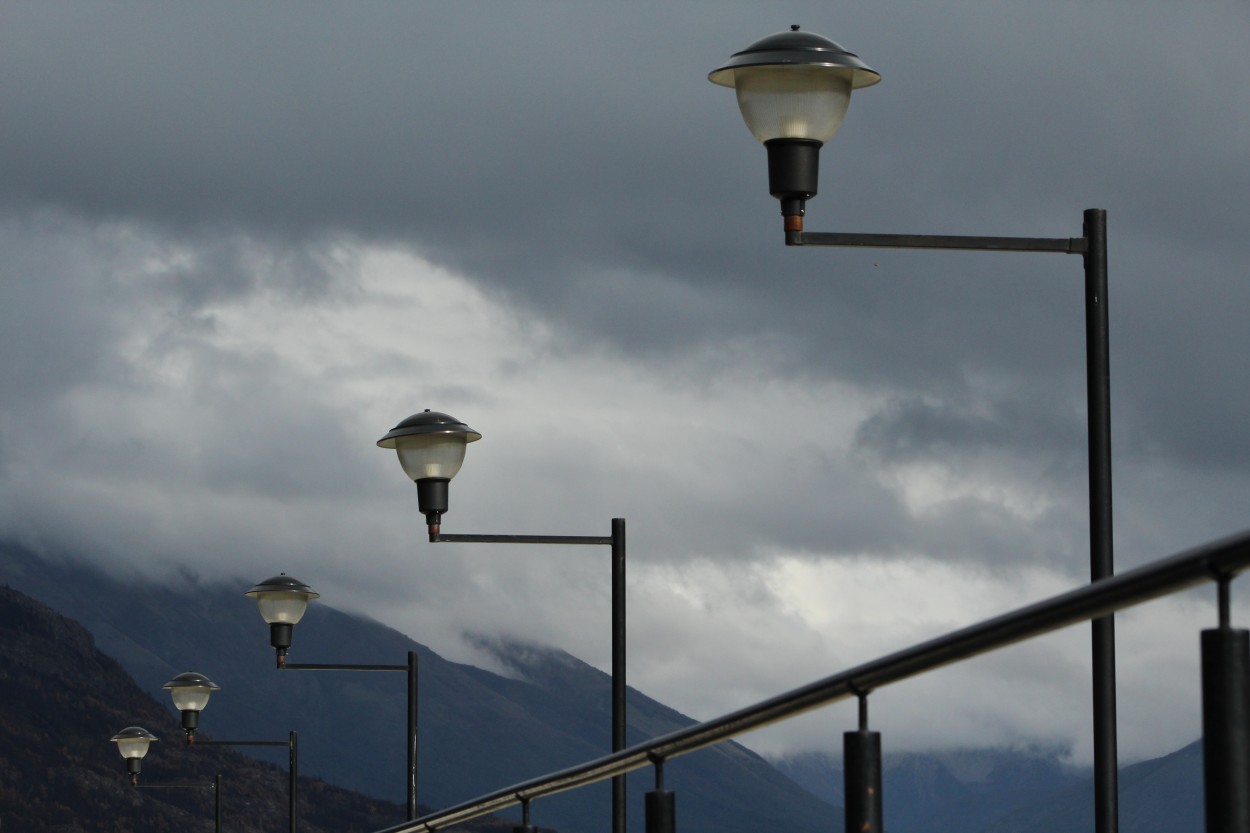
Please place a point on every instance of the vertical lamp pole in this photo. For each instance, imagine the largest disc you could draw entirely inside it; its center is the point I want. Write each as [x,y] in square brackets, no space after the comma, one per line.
[793,89]
[282,600]
[431,446]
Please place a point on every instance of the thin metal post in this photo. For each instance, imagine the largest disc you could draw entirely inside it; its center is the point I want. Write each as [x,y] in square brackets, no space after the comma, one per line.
[1226,723]
[861,774]
[618,668]
[217,802]
[525,826]
[293,785]
[412,735]
[1101,562]
[660,805]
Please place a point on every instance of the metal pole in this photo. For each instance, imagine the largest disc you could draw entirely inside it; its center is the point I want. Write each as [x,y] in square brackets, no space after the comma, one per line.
[618,667]
[660,805]
[1226,729]
[1226,723]
[861,774]
[293,787]
[412,735]
[217,801]
[1101,563]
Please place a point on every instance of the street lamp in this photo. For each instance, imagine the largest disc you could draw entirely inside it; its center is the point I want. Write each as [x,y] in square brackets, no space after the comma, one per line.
[190,692]
[282,601]
[133,742]
[430,446]
[793,89]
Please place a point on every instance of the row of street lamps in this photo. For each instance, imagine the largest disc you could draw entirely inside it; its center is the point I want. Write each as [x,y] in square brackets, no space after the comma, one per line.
[793,90]
[190,692]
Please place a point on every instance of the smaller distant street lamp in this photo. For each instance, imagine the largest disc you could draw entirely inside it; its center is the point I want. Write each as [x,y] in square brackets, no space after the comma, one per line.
[431,446]
[133,742]
[190,692]
[282,601]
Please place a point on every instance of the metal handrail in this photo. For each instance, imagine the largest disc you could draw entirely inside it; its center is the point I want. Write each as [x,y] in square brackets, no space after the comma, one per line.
[1216,560]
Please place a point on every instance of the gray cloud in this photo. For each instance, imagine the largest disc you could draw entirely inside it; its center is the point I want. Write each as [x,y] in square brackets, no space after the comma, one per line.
[198,351]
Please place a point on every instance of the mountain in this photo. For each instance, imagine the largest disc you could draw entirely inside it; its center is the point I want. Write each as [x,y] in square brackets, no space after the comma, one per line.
[1014,791]
[61,700]
[1163,795]
[479,731]
[953,790]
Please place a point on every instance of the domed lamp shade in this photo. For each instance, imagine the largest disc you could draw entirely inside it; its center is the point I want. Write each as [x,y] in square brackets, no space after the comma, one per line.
[793,91]
[133,742]
[430,446]
[282,601]
[190,691]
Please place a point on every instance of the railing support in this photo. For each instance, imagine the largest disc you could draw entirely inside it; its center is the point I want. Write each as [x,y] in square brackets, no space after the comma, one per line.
[1226,724]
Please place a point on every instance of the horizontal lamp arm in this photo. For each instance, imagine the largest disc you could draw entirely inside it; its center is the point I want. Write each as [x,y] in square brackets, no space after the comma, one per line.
[332,666]
[1061,245]
[584,540]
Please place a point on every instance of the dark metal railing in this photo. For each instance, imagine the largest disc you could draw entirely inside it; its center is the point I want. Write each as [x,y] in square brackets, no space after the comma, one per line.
[1217,561]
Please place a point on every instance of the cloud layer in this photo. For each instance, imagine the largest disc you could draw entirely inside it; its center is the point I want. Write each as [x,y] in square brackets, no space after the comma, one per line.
[239,243]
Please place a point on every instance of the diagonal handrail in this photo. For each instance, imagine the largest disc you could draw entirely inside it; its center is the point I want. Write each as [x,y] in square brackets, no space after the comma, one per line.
[1218,559]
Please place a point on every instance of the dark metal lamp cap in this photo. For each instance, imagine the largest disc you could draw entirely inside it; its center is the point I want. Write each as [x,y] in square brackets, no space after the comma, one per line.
[796,48]
[283,584]
[133,733]
[191,679]
[428,422]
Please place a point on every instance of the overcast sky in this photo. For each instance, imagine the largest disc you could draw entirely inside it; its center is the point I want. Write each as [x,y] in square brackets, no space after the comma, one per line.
[240,241]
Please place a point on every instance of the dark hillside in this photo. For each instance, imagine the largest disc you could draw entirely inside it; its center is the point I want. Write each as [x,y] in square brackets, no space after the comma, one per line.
[60,702]
[479,731]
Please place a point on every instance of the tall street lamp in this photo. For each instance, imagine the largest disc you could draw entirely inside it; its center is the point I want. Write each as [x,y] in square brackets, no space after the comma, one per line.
[431,446]
[133,741]
[793,89]
[190,692]
[282,601]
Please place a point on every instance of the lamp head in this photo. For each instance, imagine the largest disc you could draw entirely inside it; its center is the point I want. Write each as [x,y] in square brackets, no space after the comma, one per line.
[190,691]
[793,91]
[430,446]
[282,600]
[132,742]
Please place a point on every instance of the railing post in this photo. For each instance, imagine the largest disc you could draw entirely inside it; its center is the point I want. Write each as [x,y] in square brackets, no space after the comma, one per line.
[661,805]
[861,776]
[1226,724]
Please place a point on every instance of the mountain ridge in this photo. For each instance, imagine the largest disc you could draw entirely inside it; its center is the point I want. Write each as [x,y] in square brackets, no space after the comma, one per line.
[480,731]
